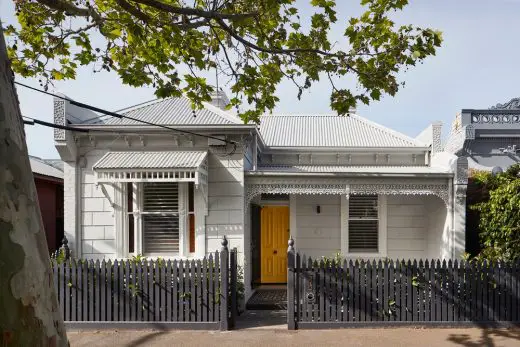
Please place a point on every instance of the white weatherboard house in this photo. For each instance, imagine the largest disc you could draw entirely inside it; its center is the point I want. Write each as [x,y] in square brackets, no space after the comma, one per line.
[335,184]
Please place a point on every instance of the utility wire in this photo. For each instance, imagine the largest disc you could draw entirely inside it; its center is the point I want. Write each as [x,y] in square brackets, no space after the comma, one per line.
[113,114]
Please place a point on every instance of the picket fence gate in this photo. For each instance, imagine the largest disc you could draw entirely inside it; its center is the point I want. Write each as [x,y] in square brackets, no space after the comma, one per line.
[327,294]
[190,294]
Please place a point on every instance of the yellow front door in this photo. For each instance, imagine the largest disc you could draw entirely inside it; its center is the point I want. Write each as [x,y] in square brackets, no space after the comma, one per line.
[274,236]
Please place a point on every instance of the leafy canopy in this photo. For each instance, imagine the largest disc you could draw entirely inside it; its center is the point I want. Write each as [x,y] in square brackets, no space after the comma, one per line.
[255,44]
[500,214]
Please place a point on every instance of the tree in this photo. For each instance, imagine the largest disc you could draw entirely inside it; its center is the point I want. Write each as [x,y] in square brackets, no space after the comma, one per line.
[500,214]
[29,307]
[254,44]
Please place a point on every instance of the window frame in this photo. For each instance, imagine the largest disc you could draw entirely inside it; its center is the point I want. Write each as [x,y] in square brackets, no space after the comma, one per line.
[382,230]
[138,190]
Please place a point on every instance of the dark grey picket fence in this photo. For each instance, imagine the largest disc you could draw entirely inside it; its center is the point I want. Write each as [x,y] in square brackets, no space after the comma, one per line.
[194,294]
[325,294]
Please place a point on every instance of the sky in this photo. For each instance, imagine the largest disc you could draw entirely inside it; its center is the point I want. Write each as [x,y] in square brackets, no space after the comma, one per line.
[477,66]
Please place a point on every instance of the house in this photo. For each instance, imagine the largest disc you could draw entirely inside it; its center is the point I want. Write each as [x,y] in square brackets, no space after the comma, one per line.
[334,184]
[48,178]
[490,140]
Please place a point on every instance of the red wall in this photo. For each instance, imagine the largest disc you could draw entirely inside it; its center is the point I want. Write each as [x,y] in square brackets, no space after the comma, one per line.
[50,197]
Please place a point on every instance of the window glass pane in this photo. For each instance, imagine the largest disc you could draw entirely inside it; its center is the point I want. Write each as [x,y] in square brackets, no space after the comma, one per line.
[191,215]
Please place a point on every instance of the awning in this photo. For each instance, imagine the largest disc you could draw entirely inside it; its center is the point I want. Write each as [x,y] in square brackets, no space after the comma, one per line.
[159,166]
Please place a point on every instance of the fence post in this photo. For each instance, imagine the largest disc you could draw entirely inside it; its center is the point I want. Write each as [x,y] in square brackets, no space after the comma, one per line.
[224,285]
[291,323]
[233,287]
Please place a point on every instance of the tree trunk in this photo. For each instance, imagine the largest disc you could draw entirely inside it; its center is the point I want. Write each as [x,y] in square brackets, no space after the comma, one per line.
[29,313]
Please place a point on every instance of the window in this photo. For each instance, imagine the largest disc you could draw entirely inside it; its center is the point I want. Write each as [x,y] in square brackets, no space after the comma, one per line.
[363,224]
[160,218]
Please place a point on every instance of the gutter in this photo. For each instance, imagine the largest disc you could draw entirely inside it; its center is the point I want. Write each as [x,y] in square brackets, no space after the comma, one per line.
[346,174]
[304,150]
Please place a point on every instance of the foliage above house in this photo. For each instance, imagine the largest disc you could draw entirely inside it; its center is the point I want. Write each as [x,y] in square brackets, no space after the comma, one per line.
[500,214]
[253,44]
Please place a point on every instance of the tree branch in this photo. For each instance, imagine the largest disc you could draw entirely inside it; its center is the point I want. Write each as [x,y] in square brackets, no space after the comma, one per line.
[65,6]
[134,11]
[188,11]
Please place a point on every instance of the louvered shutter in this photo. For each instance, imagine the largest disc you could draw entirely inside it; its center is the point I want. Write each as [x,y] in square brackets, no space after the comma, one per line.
[161,217]
[363,224]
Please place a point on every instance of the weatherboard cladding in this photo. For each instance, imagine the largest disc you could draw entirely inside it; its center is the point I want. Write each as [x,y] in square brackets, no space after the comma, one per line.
[170,111]
[151,160]
[329,131]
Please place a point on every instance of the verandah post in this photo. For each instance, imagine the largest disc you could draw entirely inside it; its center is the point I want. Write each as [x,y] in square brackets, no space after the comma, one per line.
[224,285]
[291,322]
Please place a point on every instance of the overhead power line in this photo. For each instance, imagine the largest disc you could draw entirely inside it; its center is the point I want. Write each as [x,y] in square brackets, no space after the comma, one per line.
[116,115]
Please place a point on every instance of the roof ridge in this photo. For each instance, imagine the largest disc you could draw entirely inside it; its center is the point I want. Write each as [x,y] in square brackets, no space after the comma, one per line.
[392,132]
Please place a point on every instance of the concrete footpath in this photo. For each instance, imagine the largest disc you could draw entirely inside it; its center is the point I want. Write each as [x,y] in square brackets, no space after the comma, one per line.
[263,328]
[277,337]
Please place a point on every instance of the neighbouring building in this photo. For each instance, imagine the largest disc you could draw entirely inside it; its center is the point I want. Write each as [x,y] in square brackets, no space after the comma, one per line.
[48,177]
[335,184]
[490,140]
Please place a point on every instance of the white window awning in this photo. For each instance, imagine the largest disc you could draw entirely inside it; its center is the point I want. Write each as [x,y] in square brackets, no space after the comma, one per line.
[158,166]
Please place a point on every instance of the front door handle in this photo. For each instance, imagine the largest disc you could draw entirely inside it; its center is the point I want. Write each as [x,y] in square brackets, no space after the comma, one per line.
[275,252]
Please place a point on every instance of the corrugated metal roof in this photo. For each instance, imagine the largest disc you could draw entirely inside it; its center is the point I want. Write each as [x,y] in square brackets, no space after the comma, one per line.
[39,166]
[170,111]
[330,131]
[384,169]
[151,160]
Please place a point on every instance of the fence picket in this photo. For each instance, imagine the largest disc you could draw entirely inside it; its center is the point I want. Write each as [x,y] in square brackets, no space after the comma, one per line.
[345,296]
[382,289]
[211,290]
[109,293]
[322,290]
[304,279]
[363,291]
[449,284]
[311,289]
[199,297]
[73,290]
[217,288]
[103,288]
[514,291]
[373,290]
[157,266]
[79,290]
[168,291]
[149,300]
[455,284]
[67,283]
[193,292]
[175,291]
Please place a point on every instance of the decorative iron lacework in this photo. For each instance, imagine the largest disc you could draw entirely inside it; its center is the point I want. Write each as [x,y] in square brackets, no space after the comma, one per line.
[439,190]
[59,118]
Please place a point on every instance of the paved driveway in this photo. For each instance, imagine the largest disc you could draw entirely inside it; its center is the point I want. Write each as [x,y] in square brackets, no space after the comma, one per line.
[280,337]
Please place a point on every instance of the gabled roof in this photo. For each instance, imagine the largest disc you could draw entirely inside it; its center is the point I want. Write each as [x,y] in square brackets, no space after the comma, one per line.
[44,167]
[330,131]
[170,111]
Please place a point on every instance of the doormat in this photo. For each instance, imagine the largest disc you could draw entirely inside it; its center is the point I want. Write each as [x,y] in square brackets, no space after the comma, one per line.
[268,299]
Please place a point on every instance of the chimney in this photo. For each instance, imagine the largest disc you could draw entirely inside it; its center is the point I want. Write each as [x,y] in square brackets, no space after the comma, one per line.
[219,99]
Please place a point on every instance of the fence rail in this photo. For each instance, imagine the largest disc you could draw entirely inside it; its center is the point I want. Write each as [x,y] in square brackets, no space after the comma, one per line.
[328,294]
[183,293]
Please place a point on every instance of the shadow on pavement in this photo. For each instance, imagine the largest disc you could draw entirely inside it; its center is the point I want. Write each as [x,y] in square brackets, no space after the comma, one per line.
[487,338]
